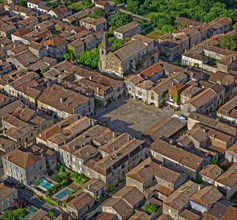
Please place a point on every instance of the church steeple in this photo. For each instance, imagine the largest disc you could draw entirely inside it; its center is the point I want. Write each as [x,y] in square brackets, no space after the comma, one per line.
[105,46]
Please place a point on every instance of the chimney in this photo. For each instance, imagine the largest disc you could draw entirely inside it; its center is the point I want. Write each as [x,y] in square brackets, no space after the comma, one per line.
[92,122]
[61,100]
[114,135]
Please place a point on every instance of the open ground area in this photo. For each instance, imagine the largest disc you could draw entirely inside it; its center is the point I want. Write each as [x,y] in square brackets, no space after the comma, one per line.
[128,115]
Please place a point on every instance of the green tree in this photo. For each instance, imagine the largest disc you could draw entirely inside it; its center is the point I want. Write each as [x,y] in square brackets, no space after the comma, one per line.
[22,3]
[133,6]
[120,19]
[235,27]
[16,214]
[89,58]
[229,42]
[116,43]
[66,56]
[98,12]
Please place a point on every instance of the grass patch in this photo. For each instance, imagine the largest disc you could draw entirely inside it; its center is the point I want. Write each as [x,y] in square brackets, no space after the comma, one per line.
[156,34]
[78,6]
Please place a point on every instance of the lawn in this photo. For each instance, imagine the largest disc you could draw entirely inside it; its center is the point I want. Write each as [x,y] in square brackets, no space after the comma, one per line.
[80,5]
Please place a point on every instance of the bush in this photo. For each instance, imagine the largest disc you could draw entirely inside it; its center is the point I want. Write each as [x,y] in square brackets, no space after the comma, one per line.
[50,201]
[61,174]
[78,178]
[150,209]
[59,177]
[61,169]
[37,182]
[51,215]
[110,188]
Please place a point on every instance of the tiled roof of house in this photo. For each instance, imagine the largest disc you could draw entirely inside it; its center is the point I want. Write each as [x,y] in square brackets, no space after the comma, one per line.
[60,10]
[22,159]
[180,156]
[5,191]
[120,207]
[229,177]
[129,194]
[127,27]
[80,201]
[139,215]
[62,99]
[207,196]
[180,198]
[167,127]
[55,42]
[21,32]
[211,171]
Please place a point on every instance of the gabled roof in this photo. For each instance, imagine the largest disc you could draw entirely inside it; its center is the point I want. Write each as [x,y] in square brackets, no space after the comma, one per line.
[55,41]
[207,196]
[21,158]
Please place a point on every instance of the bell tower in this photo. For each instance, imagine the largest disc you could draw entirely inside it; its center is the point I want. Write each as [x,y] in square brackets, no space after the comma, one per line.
[105,47]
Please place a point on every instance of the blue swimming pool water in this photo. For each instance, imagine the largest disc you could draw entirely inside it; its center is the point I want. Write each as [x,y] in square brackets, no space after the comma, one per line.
[45,184]
[62,194]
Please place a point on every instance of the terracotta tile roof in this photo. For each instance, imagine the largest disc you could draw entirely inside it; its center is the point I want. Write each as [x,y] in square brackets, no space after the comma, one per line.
[101,2]
[167,127]
[120,207]
[55,42]
[59,10]
[139,215]
[152,70]
[211,171]
[21,32]
[127,27]
[80,201]
[189,215]
[130,194]
[5,192]
[229,177]
[179,155]
[207,196]
[212,122]
[180,198]
[22,159]
[62,99]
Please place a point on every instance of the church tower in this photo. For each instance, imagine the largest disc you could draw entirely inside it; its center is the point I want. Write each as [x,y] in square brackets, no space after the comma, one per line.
[105,47]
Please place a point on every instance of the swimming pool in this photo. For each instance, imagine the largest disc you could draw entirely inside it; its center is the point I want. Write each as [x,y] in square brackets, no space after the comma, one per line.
[63,193]
[45,185]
